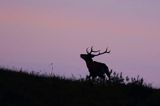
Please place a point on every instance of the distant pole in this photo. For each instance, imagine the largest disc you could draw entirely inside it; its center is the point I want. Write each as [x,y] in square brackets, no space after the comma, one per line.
[51,66]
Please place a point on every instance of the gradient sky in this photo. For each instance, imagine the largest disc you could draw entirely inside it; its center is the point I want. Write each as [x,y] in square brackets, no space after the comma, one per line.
[35,33]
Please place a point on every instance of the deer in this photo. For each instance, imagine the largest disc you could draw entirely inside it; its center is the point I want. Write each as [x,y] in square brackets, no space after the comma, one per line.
[96,69]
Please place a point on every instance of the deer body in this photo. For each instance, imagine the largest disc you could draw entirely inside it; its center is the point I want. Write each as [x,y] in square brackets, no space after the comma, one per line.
[96,69]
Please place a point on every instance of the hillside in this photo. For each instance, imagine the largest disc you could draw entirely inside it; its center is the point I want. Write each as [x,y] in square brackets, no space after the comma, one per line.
[25,89]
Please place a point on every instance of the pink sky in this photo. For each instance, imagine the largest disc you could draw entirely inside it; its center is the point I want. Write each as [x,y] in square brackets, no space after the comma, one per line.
[35,33]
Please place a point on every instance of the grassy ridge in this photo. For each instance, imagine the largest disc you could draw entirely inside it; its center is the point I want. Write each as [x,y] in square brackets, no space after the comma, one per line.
[23,89]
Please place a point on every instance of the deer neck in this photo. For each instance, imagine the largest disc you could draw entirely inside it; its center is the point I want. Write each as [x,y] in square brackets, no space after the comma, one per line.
[89,62]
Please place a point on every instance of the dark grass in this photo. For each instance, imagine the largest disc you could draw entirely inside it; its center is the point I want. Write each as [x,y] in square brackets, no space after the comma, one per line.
[28,89]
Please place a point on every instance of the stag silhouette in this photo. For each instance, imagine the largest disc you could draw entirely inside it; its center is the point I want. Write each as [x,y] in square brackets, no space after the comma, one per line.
[96,69]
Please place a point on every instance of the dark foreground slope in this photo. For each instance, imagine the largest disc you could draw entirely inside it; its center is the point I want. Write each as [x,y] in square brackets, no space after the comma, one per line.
[22,89]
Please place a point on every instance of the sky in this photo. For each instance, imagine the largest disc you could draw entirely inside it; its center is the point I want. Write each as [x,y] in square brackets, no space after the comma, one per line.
[36,33]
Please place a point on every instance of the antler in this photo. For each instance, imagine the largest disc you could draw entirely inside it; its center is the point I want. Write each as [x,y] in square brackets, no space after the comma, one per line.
[91,50]
[106,51]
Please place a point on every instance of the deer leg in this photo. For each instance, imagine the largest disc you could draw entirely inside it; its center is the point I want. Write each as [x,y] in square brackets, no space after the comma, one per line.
[88,77]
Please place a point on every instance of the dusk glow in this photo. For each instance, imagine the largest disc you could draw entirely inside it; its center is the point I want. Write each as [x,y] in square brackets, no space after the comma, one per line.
[36,33]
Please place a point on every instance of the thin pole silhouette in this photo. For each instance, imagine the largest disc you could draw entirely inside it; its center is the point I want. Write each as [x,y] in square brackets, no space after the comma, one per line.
[51,66]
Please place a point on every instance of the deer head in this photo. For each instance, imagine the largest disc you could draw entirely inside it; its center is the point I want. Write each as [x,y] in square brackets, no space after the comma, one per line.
[88,57]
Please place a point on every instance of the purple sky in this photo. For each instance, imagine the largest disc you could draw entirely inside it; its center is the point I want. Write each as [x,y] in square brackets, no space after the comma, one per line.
[35,33]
